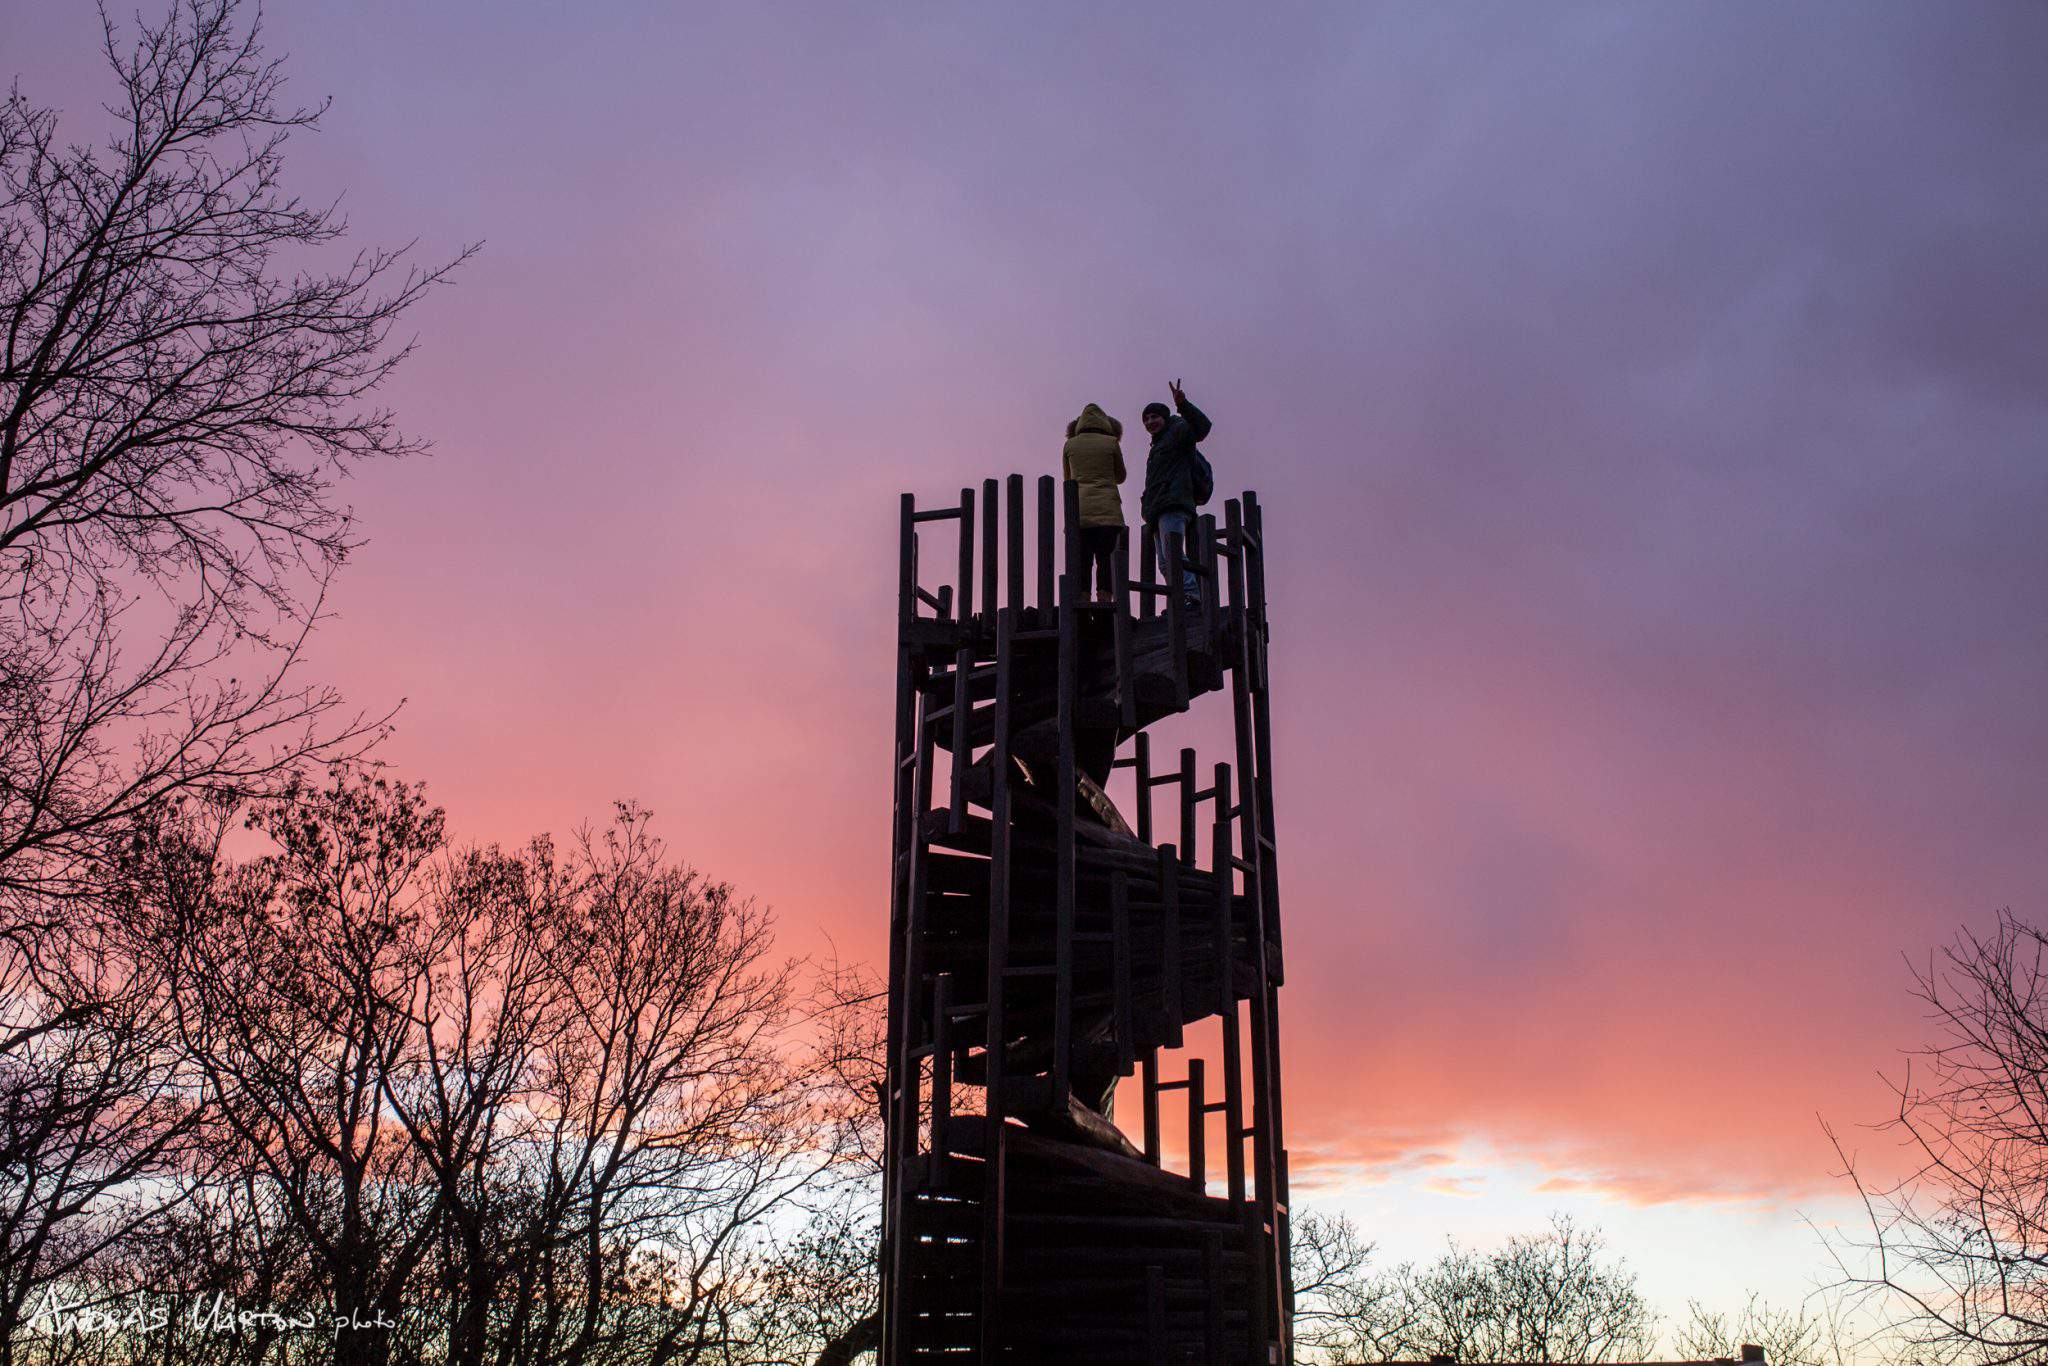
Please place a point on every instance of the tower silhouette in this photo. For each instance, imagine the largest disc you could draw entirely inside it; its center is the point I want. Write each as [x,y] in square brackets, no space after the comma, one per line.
[1043,946]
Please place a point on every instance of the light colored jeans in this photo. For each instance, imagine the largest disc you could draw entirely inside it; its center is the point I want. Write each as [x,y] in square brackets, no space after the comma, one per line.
[1175,525]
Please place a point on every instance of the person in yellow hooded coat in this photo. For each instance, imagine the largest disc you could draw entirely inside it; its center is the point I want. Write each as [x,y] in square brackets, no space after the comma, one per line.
[1094,458]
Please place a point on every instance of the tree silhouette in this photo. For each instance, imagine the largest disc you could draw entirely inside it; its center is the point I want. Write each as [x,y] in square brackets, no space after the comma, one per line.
[1956,1254]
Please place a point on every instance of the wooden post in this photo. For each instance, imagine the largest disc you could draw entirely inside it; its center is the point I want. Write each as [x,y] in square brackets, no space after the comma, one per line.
[1141,763]
[1014,538]
[1070,541]
[1063,858]
[1169,911]
[903,1121]
[1198,1128]
[942,1071]
[1205,555]
[963,593]
[1148,1067]
[989,577]
[1120,625]
[1046,564]
[963,666]
[1226,963]
[903,783]
[1262,705]
[1258,633]
[1148,569]
[1271,1249]
[1120,970]
[1177,619]
[1187,807]
[995,1150]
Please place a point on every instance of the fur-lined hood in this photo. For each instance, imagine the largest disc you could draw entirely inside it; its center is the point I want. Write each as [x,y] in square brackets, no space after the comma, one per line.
[1093,419]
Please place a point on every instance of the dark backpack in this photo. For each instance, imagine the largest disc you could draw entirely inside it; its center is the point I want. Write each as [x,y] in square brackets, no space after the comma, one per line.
[1201,476]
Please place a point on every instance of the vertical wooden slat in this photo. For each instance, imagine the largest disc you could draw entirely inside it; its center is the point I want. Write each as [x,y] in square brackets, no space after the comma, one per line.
[963,594]
[1205,554]
[903,781]
[1120,625]
[1198,1127]
[1148,571]
[1120,969]
[963,666]
[1047,565]
[1262,724]
[1187,808]
[1070,541]
[1148,1071]
[906,570]
[990,579]
[1141,753]
[1271,1246]
[1013,506]
[1226,963]
[942,1072]
[907,1093]
[995,1151]
[1169,910]
[1177,620]
[1063,854]
[1260,632]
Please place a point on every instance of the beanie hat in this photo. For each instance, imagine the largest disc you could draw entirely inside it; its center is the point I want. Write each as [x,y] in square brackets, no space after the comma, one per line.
[1159,408]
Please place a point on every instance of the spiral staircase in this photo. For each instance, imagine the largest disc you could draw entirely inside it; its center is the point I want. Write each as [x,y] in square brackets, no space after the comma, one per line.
[1045,945]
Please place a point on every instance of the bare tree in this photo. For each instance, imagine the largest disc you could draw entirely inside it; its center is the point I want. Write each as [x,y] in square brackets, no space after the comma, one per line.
[92,1106]
[1342,1310]
[180,387]
[300,972]
[812,1297]
[179,390]
[1956,1255]
[1553,1296]
[1789,1337]
[489,1107]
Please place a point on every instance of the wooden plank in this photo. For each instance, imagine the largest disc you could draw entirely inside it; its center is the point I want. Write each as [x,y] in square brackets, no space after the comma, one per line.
[942,1073]
[1120,607]
[904,1086]
[1177,619]
[903,786]
[994,1194]
[1046,540]
[1170,948]
[1226,959]
[1141,765]
[989,513]
[1120,954]
[1272,1253]
[1148,572]
[1014,507]
[1148,1084]
[963,590]
[1066,781]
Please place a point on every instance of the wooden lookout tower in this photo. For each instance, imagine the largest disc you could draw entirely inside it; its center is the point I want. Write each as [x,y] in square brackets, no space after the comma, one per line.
[1044,945]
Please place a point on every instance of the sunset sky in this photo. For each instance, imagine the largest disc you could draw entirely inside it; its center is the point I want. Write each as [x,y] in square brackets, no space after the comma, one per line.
[1650,406]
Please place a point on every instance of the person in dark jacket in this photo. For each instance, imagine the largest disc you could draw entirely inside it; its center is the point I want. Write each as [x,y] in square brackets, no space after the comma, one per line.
[1169,501]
